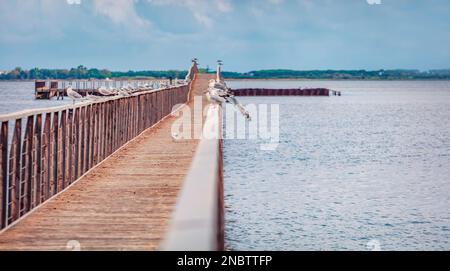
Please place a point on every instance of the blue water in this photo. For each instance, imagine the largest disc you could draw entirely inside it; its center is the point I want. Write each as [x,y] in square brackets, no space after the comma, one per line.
[18,96]
[370,167]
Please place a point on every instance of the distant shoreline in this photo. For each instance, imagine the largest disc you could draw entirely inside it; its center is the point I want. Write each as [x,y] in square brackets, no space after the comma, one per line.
[84,73]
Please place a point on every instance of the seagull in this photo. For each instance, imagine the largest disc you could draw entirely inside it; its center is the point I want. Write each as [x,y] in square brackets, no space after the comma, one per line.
[73,94]
[163,85]
[212,94]
[124,92]
[219,85]
[92,97]
[175,136]
[105,92]
[187,79]
[218,93]
[147,86]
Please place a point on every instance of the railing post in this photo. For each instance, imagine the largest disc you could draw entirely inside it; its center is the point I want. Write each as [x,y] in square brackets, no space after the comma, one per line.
[76,142]
[82,140]
[14,173]
[26,185]
[70,149]
[95,125]
[62,152]
[88,137]
[46,161]
[113,125]
[151,107]
[54,154]
[108,130]
[105,132]
[3,174]
[37,186]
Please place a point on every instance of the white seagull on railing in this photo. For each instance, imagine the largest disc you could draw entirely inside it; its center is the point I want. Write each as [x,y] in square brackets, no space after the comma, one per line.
[73,94]
[125,91]
[163,84]
[106,92]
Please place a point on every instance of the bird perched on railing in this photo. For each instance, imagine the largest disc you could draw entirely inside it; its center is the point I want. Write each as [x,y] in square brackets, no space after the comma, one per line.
[146,86]
[218,93]
[125,91]
[92,97]
[106,92]
[178,82]
[73,94]
[187,79]
[163,84]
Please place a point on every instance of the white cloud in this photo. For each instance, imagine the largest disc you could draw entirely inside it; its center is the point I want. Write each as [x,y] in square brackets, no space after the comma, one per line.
[204,11]
[276,2]
[374,2]
[120,12]
[223,5]
[73,2]
[23,21]
[203,19]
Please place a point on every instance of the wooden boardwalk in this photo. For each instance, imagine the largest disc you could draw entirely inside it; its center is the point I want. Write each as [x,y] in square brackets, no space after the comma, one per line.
[125,203]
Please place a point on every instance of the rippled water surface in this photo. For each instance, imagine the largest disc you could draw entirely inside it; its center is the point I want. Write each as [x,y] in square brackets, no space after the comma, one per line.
[18,96]
[368,169]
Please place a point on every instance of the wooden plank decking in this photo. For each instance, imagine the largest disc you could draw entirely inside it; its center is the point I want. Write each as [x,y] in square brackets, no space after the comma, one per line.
[123,204]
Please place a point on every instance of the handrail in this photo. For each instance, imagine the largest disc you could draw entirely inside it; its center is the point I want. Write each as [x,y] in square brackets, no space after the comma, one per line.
[28,112]
[197,223]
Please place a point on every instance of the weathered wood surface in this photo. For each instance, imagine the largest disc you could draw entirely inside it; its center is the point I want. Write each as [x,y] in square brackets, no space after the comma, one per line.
[125,203]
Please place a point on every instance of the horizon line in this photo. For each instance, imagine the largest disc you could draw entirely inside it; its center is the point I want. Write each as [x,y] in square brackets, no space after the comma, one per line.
[249,71]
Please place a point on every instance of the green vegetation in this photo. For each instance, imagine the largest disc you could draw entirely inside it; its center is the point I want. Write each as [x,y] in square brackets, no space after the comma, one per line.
[342,74]
[82,72]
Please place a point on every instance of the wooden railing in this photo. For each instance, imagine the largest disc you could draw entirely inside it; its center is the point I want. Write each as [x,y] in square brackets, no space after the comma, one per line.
[197,223]
[47,89]
[93,84]
[43,151]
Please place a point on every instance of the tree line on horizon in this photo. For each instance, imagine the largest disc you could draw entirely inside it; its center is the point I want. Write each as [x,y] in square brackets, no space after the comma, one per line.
[82,72]
[341,74]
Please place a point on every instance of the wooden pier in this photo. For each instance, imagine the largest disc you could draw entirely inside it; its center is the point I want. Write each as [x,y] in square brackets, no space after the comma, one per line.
[96,176]
[109,174]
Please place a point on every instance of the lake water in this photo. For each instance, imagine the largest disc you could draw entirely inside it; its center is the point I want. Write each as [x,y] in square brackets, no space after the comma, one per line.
[367,170]
[18,96]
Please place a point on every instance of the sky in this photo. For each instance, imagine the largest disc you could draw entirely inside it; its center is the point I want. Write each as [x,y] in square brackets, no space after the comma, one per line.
[247,35]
